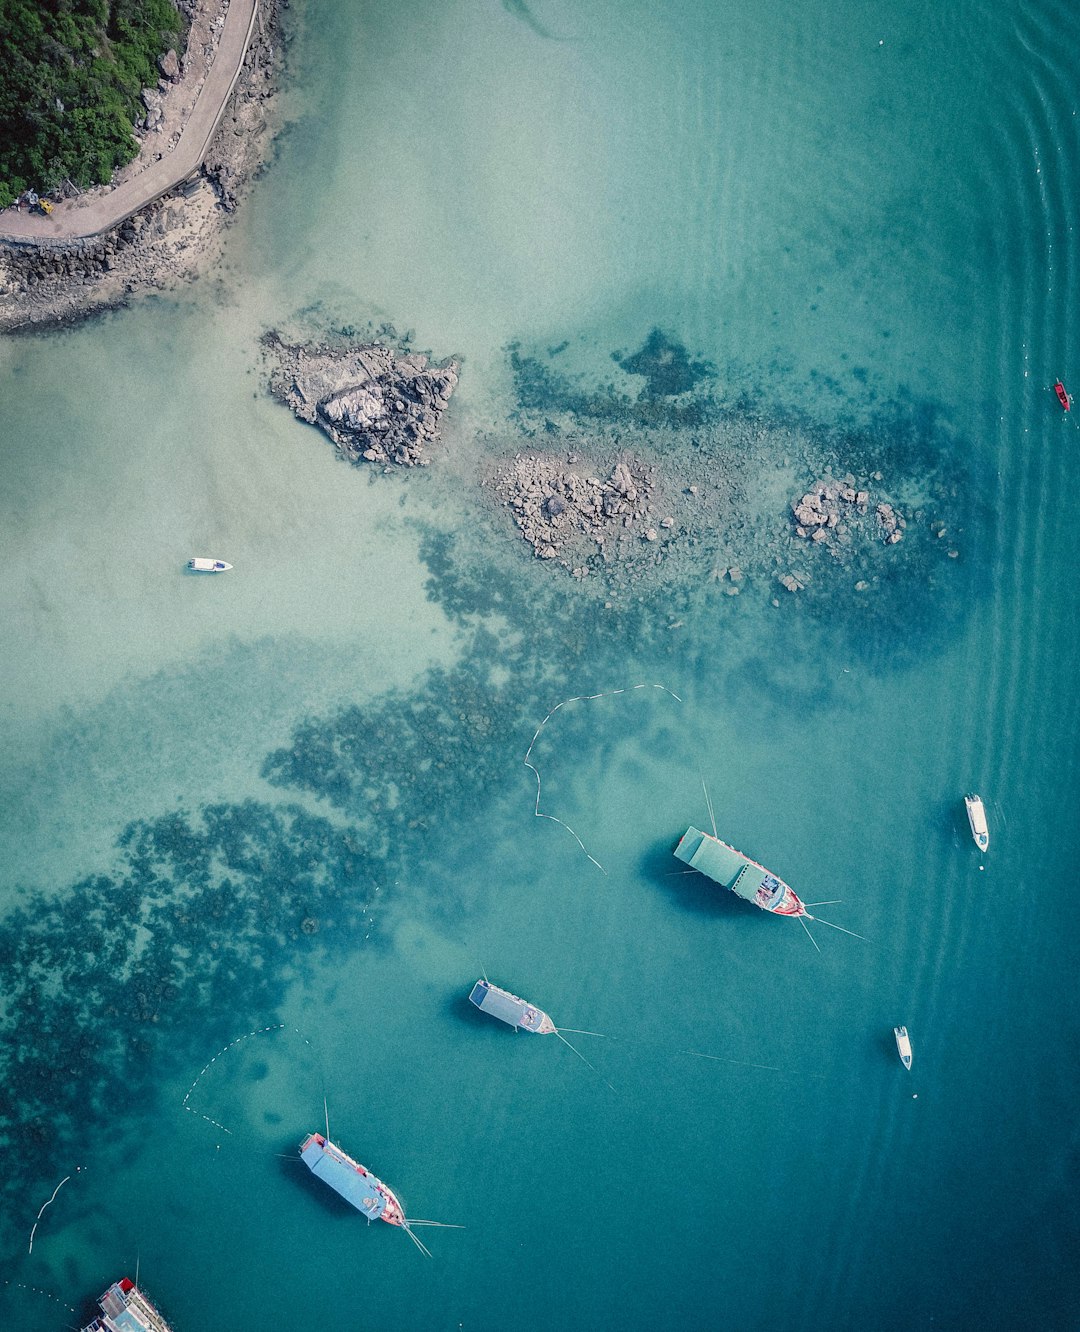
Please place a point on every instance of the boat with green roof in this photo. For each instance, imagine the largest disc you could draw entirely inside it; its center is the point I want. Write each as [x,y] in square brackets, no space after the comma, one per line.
[744,877]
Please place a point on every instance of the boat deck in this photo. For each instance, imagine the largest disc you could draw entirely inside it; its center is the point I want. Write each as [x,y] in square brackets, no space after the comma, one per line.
[509,1008]
[714,858]
[344,1175]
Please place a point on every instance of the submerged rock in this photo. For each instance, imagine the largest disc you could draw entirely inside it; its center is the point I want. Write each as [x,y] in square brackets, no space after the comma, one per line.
[832,510]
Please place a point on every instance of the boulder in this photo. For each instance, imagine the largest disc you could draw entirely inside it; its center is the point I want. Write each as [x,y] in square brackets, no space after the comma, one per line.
[357,409]
[623,481]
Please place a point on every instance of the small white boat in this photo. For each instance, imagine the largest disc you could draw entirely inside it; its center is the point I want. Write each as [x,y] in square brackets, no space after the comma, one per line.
[977,819]
[903,1045]
[202,565]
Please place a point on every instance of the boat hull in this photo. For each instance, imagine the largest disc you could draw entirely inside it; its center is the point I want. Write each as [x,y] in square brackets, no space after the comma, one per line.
[1063,397]
[903,1046]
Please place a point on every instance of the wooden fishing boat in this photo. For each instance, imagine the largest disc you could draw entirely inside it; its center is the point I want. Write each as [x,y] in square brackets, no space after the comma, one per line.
[977,821]
[357,1185]
[125,1308]
[508,1008]
[200,564]
[1063,397]
[743,876]
[903,1045]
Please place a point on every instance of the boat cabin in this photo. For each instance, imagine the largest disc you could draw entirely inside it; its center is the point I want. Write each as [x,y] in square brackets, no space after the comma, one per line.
[743,876]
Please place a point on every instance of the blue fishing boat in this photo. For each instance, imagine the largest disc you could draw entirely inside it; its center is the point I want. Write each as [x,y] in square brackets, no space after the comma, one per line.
[124,1308]
[357,1185]
[508,1008]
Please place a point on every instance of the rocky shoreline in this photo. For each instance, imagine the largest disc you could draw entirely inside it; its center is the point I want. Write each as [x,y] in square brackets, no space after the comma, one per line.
[175,238]
[376,404]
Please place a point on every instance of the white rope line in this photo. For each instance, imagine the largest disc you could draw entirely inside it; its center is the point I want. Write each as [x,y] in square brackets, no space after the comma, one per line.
[46,1204]
[36,1290]
[259,1031]
[579,698]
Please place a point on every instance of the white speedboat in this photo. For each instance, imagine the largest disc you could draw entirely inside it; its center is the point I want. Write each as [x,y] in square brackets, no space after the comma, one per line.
[202,565]
[977,819]
[903,1045]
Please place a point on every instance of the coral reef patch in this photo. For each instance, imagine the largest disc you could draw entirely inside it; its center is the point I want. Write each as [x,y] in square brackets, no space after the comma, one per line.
[665,366]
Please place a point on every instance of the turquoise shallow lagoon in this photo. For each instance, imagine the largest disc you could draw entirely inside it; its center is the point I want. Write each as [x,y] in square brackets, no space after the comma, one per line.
[259,834]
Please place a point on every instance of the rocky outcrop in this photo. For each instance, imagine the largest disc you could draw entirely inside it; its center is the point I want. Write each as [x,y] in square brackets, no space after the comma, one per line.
[837,514]
[377,405]
[568,515]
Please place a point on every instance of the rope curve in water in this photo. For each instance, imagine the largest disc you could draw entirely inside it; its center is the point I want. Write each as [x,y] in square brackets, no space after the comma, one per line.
[42,1208]
[36,1290]
[578,698]
[259,1031]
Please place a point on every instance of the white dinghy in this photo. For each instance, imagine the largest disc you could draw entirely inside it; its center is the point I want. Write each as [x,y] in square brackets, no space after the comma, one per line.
[903,1045]
[977,819]
[202,565]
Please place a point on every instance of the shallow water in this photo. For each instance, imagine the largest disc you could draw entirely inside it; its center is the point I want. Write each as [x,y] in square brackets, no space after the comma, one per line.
[294,797]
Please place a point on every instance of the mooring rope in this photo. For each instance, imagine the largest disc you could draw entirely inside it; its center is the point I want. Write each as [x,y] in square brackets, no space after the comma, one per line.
[36,1290]
[46,1204]
[259,1031]
[579,698]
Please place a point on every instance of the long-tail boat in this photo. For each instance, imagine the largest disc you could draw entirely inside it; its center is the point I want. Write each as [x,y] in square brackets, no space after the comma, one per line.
[976,812]
[357,1185]
[508,1008]
[743,876]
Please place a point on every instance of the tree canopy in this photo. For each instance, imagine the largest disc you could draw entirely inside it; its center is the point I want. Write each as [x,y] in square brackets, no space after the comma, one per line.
[72,72]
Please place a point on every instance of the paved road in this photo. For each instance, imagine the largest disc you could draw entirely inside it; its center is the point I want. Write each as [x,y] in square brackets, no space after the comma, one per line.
[70,222]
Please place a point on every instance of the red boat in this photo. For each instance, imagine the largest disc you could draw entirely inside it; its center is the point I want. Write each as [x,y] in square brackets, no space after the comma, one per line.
[1063,397]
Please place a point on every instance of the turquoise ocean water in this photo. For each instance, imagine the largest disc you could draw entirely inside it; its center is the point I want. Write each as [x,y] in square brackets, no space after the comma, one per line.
[284,816]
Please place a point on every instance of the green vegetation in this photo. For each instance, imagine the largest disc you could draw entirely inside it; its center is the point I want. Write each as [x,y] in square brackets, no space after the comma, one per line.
[69,92]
